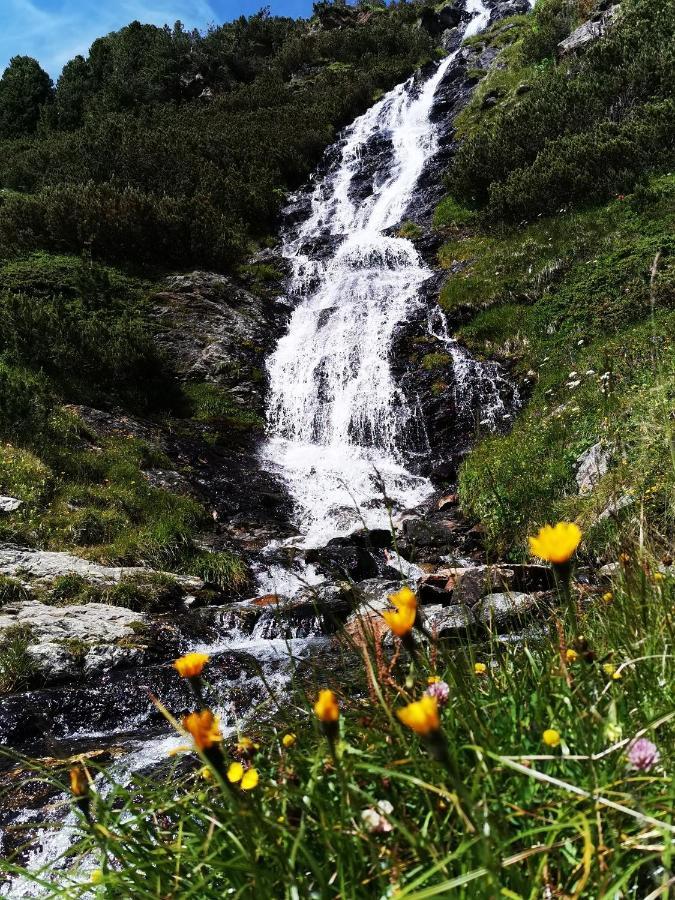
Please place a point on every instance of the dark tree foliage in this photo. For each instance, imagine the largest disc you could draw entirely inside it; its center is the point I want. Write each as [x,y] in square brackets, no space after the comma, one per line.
[588,128]
[167,149]
[25,89]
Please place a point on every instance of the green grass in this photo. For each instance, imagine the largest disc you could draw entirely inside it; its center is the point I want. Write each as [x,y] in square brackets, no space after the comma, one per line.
[573,294]
[89,495]
[12,590]
[509,816]
[17,669]
[215,405]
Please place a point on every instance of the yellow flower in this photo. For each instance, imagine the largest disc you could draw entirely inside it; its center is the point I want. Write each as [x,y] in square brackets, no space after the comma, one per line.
[78,782]
[250,780]
[288,740]
[421,716]
[326,707]
[235,772]
[247,747]
[433,679]
[204,728]
[96,876]
[571,655]
[659,576]
[610,670]
[191,665]
[401,621]
[551,737]
[607,597]
[479,668]
[404,599]
[206,773]
[556,544]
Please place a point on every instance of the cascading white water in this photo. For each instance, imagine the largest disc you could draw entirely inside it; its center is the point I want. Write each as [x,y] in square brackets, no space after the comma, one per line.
[336,418]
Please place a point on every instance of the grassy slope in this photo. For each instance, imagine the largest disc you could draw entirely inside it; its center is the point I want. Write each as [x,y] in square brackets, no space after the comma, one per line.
[569,302]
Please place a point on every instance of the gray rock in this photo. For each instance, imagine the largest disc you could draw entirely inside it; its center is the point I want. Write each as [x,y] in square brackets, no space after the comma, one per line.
[54,662]
[102,658]
[615,507]
[448,621]
[90,623]
[44,564]
[65,638]
[501,612]
[9,504]
[592,465]
[587,33]
[471,584]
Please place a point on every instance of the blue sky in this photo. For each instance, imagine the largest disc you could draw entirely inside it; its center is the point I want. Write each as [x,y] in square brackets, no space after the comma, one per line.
[53,31]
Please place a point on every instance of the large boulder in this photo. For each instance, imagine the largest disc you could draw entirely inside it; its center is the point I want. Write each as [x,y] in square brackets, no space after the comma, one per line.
[588,33]
[46,564]
[65,640]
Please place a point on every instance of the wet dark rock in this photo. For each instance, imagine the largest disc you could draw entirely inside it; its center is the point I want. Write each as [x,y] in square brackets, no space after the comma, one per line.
[117,702]
[378,154]
[342,558]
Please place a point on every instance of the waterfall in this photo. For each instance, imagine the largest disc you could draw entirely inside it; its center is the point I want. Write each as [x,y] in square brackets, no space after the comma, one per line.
[340,430]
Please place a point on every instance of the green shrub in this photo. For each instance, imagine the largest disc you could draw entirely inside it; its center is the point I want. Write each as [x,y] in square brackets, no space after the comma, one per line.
[12,590]
[17,669]
[588,127]
[154,592]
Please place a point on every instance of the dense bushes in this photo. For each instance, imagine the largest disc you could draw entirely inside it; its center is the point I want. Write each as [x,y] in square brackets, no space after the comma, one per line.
[83,327]
[168,149]
[587,128]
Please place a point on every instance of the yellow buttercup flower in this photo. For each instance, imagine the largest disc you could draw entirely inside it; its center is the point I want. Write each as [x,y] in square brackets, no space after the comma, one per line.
[607,597]
[421,716]
[96,876]
[433,679]
[78,782]
[326,707]
[247,747]
[235,772]
[571,655]
[479,668]
[191,665]
[556,543]
[288,740]
[611,670]
[551,737]
[401,620]
[204,728]
[404,599]
[249,780]
[206,773]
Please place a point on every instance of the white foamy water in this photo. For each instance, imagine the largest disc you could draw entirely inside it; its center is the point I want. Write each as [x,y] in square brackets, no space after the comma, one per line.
[336,415]
[340,429]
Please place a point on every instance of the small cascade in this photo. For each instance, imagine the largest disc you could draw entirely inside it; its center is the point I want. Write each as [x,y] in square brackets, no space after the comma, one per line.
[483,393]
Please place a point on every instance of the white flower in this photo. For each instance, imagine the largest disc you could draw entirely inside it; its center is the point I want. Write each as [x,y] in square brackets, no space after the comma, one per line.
[375,820]
[573,384]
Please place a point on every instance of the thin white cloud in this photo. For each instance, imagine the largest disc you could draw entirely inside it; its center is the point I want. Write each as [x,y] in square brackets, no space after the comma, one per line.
[55,35]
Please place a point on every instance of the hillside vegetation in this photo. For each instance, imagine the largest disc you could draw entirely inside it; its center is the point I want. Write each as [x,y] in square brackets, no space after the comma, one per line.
[578,298]
[162,149]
